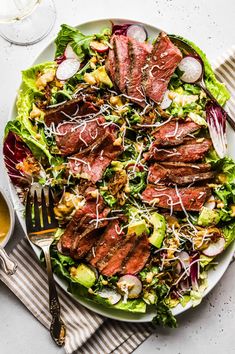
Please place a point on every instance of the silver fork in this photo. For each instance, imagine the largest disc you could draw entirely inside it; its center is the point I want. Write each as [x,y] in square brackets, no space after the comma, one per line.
[41,230]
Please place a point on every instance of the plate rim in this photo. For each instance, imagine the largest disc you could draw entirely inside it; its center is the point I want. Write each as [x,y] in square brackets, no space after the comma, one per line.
[95,307]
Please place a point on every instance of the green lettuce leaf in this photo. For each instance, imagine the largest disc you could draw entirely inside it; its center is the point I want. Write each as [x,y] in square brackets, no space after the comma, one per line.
[164,316]
[217,89]
[229,233]
[29,77]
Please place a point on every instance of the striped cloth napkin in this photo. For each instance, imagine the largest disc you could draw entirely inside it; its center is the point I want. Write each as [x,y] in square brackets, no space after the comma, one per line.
[88,332]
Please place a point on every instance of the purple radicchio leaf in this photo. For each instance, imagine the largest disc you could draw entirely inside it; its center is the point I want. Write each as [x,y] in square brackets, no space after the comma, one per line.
[216,119]
[120,29]
[194,270]
[15,152]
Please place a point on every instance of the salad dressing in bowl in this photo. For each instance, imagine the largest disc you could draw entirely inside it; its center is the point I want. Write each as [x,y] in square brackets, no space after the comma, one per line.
[5,220]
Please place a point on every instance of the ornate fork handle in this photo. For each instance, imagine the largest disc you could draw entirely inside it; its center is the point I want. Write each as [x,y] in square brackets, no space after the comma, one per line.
[9,265]
[57,328]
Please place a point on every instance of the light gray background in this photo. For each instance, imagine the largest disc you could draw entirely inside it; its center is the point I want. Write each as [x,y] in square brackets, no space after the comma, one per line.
[210,23]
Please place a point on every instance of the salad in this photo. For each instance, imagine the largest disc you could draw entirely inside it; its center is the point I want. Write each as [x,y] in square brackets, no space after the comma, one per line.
[136,156]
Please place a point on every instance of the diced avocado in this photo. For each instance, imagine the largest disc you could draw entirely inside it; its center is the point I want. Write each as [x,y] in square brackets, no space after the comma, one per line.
[102,77]
[159,229]
[117,165]
[84,275]
[138,228]
[208,217]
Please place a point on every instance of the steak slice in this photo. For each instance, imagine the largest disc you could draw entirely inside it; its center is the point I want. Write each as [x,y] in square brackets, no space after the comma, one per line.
[73,108]
[179,173]
[138,257]
[73,136]
[109,239]
[80,221]
[114,262]
[191,150]
[191,198]
[138,53]
[162,63]
[91,163]
[173,132]
[88,234]
[121,52]
[110,64]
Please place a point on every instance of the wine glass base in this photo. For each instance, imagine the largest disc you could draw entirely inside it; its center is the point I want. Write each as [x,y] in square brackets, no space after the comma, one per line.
[33,28]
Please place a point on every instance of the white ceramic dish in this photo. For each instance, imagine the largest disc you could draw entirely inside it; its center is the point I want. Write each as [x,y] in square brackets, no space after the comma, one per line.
[12,218]
[224,259]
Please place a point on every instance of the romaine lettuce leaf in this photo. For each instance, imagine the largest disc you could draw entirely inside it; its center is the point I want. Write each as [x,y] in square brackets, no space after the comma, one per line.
[29,77]
[229,233]
[217,89]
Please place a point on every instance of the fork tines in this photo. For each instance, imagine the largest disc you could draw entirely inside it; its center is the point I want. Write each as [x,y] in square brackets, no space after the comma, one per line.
[44,217]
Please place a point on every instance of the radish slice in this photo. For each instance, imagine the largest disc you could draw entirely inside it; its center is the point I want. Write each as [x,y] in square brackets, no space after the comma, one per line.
[130,286]
[111,295]
[184,259]
[99,46]
[166,102]
[69,53]
[210,204]
[137,32]
[67,69]
[191,68]
[215,248]
[184,285]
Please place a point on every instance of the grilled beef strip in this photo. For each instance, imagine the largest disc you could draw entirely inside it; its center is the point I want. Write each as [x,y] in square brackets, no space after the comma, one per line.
[162,63]
[122,60]
[91,163]
[110,63]
[179,173]
[76,107]
[173,132]
[138,53]
[192,198]
[192,150]
[113,264]
[109,238]
[74,137]
[138,257]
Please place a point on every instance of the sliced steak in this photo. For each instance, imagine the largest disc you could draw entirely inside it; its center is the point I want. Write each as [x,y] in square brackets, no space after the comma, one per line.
[191,198]
[114,263]
[80,221]
[191,150]
[73,136]
[88,234]
[138,53]
[173,132]
[73,108]
[121,52]
[179,173]
[138,257]
[110,63]
[91,163]
[109,239]
[162,63]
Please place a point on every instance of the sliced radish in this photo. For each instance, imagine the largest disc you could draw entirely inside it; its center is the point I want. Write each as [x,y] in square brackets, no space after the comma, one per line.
[184,285]
[99,46]
[210,204]
[67,69]
[184,258]
[137,32]
[111,295]
[166,102]
[191,68]
[69,52]
[215,248]
[130,286]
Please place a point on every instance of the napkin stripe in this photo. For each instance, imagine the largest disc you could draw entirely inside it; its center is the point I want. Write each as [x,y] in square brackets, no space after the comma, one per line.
[87,332]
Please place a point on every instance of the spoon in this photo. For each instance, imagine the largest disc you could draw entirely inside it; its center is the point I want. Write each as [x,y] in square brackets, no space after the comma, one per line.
[188,50]
[9,266]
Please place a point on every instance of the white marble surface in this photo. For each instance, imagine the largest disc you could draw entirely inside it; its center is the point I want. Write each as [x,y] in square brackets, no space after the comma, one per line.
[210,23]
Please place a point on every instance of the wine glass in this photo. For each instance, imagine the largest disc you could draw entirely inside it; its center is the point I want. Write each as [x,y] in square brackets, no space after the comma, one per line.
[26,22]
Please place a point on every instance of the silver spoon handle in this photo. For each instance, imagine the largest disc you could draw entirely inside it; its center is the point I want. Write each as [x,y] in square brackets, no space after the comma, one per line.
[9,265]
[229,119]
